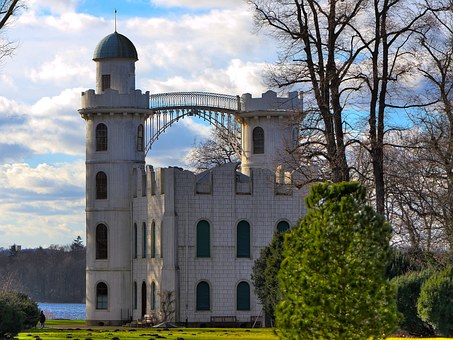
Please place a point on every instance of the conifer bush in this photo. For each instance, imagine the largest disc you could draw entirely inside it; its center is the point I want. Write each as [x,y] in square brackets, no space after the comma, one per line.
[332,277]
[17,312]
[435,304]
[407,293]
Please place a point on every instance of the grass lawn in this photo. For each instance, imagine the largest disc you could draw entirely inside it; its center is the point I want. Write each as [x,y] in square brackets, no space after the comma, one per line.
[76,329]
[149,333]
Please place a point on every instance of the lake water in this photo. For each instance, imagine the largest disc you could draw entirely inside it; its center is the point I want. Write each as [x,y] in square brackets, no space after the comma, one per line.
[70,311]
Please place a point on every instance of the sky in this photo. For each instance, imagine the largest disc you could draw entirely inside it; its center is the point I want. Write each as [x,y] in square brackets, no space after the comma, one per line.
[182,45]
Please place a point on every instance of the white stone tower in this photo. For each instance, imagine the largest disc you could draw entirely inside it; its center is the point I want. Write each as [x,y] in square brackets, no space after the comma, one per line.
[115,115]
[269,130]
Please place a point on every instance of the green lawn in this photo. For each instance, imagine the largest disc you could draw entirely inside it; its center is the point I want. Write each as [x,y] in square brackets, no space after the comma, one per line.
[76,329]
[150,333]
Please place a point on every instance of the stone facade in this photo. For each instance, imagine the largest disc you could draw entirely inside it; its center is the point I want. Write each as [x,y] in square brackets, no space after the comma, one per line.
[168,230]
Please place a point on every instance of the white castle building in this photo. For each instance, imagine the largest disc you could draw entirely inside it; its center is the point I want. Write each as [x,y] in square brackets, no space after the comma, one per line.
[156,234]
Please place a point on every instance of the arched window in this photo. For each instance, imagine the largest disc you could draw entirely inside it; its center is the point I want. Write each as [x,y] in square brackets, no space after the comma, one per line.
[282,226]
[135,241]
[243,239]
[153,240]
[203,239]
[144,239]
[140,138]
[203,296]
[243,296]
[102,296]
[258,140]
[101,137]
[153,296]
[101,242]
[135,294]
[101,185]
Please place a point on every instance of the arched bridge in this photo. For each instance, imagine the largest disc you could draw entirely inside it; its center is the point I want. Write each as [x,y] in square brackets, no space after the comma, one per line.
[219,110]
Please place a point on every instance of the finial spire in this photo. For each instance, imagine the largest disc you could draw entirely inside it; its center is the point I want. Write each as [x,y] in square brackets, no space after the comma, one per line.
[115,19]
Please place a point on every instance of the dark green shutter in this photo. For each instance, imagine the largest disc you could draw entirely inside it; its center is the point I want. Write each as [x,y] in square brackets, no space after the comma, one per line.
[203,239]
[243,296]
[282,226]
[243,239]
[203,296]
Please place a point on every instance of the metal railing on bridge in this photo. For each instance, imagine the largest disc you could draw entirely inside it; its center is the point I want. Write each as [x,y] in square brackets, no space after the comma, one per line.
[199,100]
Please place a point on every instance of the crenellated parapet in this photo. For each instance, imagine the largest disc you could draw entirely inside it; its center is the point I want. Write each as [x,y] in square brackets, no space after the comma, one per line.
[113,99]
[270,102]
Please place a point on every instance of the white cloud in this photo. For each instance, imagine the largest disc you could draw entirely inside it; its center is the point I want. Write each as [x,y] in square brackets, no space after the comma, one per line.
[64,67]
[51,125]
[43,179]
[237,78]
[198,3]
[41,205]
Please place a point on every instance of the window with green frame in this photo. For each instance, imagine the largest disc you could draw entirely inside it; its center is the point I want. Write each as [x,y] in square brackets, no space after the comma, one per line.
[203,239]
[144,239]
[203,296]
[243,296]
[243,239]
[282,226]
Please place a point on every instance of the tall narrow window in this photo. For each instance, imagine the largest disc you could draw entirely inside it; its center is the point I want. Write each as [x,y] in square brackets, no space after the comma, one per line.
[101,242]
[140,138]
[101,185]
[135,241]
[105,81]
[102,296]
[153,296]
[282,226]
[243,296]
[243,239]
[161,231]
[144,299]
[144,239]
[101,137]
[135,294]
[203,296]
[258,140]
[153,240]
[203,239]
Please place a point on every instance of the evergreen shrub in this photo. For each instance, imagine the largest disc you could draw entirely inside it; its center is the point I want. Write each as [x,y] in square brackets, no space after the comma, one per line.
[407,293]
[17,312]
[435,304]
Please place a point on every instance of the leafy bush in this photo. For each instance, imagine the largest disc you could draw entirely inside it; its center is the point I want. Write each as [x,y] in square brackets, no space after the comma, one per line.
[17,312]
[264,275]
[435,305]
[407,292]
[333,274]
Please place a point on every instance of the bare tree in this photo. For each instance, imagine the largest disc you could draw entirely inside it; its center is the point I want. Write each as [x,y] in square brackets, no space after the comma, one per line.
[437,119]
[318,49]
[221,148]
[8,8]
[167,306]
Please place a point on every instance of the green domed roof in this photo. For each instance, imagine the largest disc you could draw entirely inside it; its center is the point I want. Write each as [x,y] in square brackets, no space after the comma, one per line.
[115,45]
